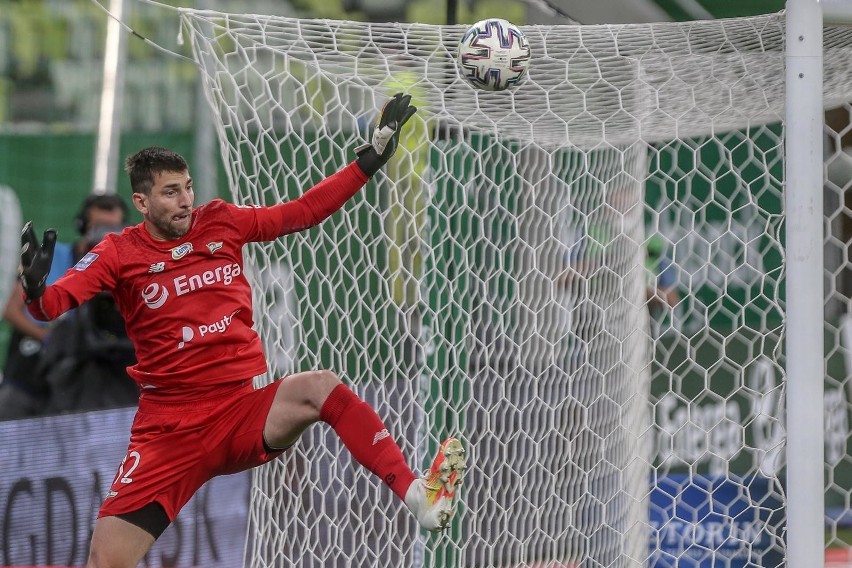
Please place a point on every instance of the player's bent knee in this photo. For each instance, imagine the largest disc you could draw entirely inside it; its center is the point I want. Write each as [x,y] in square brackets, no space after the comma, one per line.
[328,380]
[298,403]
[308,390]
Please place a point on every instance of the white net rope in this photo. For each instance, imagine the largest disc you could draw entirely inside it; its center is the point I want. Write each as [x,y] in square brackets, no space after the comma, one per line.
[495,282]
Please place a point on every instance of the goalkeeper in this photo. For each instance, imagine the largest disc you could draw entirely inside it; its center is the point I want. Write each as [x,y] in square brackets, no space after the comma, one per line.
[179,282]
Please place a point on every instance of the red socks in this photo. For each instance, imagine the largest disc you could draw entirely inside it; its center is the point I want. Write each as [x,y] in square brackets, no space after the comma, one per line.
[365,436]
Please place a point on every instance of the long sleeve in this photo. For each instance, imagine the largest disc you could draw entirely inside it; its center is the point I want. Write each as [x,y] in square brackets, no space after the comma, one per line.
[52,304]
[319,202]
[94,273]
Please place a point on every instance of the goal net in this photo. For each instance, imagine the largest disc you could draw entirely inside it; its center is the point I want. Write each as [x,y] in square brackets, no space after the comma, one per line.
[581,278]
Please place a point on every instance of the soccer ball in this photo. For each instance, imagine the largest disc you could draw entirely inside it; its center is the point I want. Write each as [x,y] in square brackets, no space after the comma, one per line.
[494,55]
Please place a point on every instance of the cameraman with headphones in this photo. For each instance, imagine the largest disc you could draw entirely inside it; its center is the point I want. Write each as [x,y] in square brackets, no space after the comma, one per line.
[24,391]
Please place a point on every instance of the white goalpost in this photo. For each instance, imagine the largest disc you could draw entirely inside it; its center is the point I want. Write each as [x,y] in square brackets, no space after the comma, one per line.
[503,279]
[804,261]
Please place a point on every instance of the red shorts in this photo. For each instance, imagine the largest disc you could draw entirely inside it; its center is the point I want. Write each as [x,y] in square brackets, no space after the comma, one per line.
[175,447]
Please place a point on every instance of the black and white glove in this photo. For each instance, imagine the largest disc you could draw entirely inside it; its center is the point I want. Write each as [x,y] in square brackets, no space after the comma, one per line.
[394,115]
[35,261]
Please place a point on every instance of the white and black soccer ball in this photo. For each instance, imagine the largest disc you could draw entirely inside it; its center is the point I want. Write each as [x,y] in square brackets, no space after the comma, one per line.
[494,55]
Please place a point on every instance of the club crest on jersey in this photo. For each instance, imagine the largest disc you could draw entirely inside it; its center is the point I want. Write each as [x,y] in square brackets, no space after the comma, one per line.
[86,261]
[214,246]
[181,251]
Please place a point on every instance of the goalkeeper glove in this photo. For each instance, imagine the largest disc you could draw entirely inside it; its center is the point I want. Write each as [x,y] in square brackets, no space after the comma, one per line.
[35,261]
[394,115]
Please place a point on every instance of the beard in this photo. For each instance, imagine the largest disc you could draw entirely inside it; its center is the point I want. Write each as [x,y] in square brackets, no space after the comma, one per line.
[168,227]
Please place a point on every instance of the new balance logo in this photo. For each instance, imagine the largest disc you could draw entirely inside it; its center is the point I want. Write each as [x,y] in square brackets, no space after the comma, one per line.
[157,267]
[381,436]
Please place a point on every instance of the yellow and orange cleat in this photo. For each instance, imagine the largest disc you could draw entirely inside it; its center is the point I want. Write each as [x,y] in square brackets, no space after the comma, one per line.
[431,497]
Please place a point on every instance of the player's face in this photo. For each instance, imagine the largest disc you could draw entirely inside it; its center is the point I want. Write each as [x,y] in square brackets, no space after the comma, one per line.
[167,211]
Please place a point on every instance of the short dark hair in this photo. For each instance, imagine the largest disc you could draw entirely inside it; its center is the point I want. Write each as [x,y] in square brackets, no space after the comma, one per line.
[103,201]
[145,164]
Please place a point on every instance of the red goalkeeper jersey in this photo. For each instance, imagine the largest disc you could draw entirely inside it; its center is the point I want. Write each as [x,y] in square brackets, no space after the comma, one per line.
[186,303]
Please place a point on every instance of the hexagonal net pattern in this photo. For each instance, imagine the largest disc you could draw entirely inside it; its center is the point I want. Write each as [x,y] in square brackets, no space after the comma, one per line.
[582,278]
[838,330]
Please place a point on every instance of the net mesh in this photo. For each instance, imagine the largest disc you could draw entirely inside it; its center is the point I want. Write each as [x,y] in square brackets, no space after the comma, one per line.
[582,278]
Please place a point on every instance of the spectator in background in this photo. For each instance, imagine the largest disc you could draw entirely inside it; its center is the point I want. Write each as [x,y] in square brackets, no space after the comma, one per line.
[585,245]
[25,391]
[662,293]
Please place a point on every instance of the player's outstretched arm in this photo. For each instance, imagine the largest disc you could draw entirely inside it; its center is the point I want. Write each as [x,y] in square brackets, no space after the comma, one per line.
[394,115]
[329,195]
[35,261]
